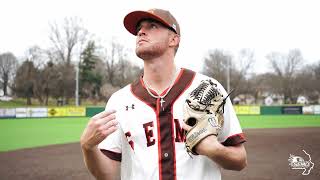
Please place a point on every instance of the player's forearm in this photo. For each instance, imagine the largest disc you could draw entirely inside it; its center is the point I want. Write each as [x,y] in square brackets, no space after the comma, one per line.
[100,166]
[229,157]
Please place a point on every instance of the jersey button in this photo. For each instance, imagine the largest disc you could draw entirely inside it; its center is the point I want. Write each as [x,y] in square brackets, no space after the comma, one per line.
[165,155]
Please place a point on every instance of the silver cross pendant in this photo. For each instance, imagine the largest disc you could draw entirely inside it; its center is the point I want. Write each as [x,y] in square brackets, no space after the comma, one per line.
[161,103]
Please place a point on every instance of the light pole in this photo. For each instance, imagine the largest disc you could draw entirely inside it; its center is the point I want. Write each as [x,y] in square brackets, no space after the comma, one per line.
[228,75]
[77,85]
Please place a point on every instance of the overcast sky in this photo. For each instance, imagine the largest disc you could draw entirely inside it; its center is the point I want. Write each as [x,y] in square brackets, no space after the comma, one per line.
[260,25]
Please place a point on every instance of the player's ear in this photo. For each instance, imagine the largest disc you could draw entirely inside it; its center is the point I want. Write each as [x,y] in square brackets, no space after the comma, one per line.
[174,39]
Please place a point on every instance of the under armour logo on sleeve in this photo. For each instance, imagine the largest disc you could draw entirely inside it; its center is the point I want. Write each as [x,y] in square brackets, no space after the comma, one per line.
[129,107]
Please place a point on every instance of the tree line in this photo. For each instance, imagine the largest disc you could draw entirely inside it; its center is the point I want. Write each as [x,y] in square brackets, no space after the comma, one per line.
[51,73]
[288,78]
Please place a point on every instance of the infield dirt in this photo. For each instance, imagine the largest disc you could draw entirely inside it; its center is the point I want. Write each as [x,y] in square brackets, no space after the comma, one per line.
[268,152]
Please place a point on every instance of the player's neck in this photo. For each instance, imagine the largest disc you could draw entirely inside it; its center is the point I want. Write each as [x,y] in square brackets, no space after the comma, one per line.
[159,73]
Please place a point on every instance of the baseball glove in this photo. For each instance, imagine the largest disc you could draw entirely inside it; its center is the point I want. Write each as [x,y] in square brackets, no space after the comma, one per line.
[203,111]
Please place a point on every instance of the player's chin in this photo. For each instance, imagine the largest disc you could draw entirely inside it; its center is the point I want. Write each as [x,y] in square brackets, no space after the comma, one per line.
[140,51]
[145,53]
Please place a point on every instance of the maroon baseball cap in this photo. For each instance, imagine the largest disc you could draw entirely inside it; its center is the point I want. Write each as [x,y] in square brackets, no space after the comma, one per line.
[163,16]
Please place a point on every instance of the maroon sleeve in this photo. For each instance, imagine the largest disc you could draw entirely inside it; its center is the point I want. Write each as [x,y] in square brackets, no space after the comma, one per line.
[234,140]
[112,155]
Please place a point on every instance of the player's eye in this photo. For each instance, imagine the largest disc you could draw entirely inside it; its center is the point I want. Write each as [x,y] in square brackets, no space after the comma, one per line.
[138,28]
[153,26]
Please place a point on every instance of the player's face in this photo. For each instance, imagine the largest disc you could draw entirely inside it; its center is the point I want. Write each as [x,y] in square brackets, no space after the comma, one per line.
[152,39]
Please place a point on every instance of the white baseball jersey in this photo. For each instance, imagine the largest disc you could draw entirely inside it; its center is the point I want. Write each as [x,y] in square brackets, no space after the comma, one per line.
[150,140]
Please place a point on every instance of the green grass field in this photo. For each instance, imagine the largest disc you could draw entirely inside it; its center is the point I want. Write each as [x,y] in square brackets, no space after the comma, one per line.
[25,133]
[279,121]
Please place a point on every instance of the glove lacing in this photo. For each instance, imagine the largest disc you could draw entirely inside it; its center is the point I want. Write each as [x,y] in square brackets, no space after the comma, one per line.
[204,99]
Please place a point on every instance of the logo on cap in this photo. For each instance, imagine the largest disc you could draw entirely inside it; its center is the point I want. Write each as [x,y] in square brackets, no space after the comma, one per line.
[174,27]
[152,11]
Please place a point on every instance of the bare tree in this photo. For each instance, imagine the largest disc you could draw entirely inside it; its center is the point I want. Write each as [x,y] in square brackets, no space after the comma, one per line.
[112,59]
[259,85]
[126,73]
[217,63]
[25,79]
[129,72]
[8,65]
[124,65]
[316,72]
[37,55]
[49,80]
[307,82]
[239,75]
[67,37]
[107,90]
[68,41]
[285,68]
[246,60]
[118,71]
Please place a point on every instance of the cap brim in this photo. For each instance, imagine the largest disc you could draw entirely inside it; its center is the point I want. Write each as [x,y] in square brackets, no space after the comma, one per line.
[132,19]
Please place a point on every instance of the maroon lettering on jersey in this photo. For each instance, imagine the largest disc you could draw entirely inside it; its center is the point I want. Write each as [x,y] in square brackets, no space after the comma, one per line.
[149,133]
[180,133]
[128,134]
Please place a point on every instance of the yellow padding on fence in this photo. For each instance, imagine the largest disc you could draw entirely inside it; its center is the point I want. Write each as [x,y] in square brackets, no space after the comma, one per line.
[247,109]
[68,111]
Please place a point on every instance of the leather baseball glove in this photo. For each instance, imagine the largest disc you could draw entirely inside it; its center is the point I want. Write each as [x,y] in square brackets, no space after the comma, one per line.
[203,111]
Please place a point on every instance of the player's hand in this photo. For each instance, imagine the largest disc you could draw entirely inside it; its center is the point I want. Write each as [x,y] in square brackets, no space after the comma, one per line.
[98,128]
[206,145]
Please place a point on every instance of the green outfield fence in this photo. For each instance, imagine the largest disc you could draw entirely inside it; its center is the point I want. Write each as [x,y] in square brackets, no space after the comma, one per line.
[91,111]
[271,109]
[36,112]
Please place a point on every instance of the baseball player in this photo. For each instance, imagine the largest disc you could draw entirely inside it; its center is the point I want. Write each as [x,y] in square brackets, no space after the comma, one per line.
[142,133]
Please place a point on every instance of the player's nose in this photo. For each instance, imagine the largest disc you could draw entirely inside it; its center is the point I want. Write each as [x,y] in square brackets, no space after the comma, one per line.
[141,31]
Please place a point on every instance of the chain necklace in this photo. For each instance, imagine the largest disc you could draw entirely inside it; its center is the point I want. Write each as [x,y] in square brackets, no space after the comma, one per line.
[159,96]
